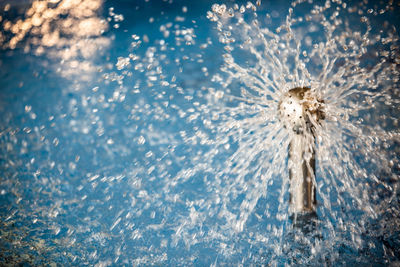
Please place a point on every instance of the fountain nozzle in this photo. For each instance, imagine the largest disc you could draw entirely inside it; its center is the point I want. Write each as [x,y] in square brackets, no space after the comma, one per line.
[300,111]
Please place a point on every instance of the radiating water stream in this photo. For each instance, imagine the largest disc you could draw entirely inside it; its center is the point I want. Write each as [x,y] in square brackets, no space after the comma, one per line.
[352,70]
[148,133]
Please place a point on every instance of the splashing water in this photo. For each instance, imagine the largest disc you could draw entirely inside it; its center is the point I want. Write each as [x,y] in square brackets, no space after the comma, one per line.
[354,70]
[172,151]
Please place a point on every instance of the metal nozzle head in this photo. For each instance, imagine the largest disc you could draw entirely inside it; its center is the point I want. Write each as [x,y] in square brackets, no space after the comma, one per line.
[298,108]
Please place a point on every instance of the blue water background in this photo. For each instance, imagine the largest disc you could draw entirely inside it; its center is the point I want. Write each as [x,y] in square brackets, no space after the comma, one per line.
[79,198]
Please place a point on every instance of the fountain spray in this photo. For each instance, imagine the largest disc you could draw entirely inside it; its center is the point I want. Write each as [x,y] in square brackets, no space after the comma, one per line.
[300,111]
